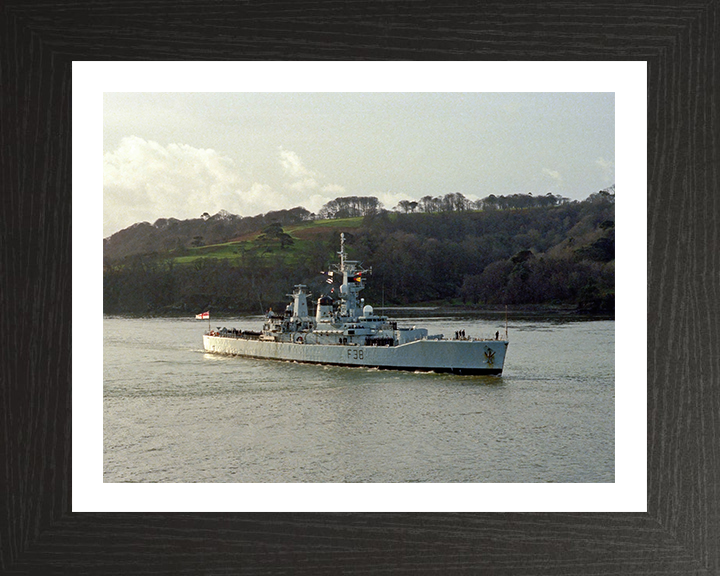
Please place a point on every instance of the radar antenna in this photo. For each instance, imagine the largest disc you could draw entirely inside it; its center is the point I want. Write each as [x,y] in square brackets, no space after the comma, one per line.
[342,251]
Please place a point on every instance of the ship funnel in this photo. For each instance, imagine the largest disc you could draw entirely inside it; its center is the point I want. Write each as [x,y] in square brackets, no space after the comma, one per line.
[324,309]
[300,307]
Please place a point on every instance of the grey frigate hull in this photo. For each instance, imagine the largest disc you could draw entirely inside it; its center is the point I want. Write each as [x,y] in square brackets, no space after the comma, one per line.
[344,331]
[464,357]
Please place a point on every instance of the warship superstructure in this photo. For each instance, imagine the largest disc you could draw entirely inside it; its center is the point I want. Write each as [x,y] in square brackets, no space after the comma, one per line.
[344,331]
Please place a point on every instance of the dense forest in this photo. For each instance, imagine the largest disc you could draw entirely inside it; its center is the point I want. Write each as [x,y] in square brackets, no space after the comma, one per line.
[519,250]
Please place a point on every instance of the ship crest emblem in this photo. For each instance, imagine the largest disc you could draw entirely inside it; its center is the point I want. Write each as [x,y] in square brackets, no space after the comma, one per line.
[489,356]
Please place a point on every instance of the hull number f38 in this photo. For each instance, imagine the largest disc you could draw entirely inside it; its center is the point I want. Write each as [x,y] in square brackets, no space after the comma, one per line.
[355,354]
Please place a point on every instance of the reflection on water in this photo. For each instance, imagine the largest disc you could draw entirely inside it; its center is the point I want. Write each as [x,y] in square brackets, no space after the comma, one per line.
[173,413]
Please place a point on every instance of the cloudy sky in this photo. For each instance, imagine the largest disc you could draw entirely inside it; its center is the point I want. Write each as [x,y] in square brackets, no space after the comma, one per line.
[182,154]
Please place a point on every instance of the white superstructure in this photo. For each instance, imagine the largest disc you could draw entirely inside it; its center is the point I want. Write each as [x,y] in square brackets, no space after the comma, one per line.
[347,332]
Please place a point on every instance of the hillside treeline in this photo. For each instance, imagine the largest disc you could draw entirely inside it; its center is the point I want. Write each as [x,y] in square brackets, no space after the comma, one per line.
[172,234]
[558,254]
[456,202]
[167,234]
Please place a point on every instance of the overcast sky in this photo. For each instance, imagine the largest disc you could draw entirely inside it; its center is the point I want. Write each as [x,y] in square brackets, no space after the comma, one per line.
[182,154]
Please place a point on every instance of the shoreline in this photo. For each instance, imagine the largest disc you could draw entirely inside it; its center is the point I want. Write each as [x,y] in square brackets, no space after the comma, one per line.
[415,310]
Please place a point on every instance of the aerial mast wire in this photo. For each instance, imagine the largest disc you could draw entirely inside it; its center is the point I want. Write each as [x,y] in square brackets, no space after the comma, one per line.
[506,323]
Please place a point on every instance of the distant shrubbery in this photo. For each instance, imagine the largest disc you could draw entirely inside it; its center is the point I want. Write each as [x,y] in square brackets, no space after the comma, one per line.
[516,250]
[559,254]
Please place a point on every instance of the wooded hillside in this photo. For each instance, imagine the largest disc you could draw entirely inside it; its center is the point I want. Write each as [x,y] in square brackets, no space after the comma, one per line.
[548,253]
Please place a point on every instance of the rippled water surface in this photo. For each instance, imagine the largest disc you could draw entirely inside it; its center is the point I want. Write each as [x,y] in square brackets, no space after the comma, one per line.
[173,413]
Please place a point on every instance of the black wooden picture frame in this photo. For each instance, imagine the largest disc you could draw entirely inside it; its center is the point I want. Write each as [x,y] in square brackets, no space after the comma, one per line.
[680,532]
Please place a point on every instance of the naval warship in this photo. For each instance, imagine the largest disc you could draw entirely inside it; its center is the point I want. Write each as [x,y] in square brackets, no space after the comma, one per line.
[344,331]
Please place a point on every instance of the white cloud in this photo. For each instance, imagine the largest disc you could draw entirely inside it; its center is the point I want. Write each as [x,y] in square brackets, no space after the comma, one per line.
[333,189]
[607,168]
[390,199]
[554,174]
[294,167]
[306,184]
[144,180]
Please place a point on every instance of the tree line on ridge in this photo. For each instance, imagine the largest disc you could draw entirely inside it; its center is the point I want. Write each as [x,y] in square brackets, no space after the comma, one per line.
[549,252]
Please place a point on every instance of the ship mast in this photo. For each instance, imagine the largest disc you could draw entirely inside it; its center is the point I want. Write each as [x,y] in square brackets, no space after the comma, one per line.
[353,281]
[342,253]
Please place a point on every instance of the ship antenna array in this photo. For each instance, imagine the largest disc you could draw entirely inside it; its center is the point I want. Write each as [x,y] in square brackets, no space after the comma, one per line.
[349,266]
[342,251]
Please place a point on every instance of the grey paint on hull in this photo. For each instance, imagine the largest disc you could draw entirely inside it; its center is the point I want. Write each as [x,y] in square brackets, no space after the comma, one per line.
[453,356]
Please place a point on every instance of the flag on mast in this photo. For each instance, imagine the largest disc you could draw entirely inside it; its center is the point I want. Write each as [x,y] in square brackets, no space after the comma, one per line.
[203,316]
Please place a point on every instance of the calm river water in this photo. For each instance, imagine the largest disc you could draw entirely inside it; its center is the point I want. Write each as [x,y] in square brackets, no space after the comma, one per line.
[173,413]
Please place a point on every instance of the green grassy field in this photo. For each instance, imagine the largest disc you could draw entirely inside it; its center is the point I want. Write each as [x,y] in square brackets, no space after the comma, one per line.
[308,237]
